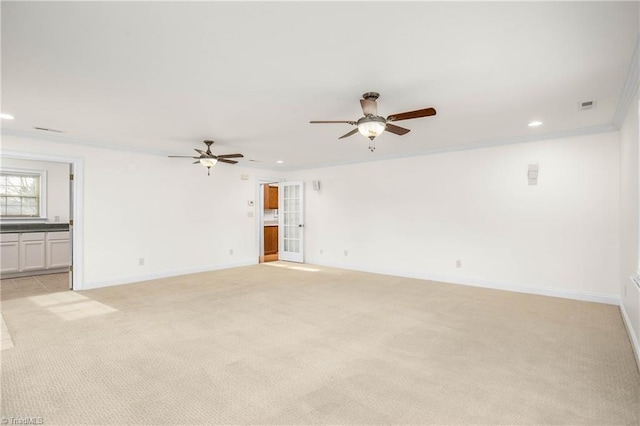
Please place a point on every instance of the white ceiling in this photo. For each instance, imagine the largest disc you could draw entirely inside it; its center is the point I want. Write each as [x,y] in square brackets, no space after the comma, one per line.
[160,77]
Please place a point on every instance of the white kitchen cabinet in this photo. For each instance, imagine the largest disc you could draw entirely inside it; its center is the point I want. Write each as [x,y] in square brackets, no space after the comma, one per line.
[32,251]
[9,253]
[58,250]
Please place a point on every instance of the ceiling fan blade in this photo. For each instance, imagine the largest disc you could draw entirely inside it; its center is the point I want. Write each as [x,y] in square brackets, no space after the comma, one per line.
[181,156]
[196,162]
[353,132]
[231,156]
[322,122]
[201,152]
[396,129]
[426,112]
[224,160]
[369,107]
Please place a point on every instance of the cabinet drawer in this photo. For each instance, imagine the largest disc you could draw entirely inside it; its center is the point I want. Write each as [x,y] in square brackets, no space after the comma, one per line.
[59,235]
[33,236]
[9,238]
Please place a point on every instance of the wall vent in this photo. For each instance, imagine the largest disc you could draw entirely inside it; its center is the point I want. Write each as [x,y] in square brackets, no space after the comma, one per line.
[44,129]
[583,106]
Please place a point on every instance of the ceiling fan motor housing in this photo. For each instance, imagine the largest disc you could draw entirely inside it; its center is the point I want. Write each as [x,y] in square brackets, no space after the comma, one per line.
[371,96]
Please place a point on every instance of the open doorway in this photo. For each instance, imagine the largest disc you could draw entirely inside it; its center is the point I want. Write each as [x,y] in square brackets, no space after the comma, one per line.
[35,236]
[269,222]
[41,247]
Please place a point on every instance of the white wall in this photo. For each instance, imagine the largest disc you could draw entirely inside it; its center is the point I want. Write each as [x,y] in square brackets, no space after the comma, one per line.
[410,217]
[417,216]
[164,210]
[57,185]
[629,218]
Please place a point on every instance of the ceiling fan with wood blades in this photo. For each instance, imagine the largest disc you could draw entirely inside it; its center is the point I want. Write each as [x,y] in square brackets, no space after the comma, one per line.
[208,160]
[372,125]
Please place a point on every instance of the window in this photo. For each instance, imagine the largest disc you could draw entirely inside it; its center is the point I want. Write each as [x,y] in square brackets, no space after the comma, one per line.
[22,194]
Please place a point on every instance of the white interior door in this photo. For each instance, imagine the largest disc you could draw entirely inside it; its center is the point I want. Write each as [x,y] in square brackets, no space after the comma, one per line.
[291,221]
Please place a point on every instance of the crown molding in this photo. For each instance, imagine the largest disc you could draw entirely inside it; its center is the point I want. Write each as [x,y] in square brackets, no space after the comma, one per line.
[582,131]
[630,89]
[78,141]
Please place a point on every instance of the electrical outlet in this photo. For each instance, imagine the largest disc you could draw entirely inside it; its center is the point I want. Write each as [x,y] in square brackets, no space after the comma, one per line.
[141,261]
[346,253]
[458,263]
[57,219]
[231,252]
[321,251]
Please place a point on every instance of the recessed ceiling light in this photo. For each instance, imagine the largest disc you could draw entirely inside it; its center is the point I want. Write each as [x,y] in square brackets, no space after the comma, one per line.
[6,116]
[279,161]
[535,124]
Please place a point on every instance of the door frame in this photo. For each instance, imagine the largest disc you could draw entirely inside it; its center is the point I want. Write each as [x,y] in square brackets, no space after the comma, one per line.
[259,206]
[77,214]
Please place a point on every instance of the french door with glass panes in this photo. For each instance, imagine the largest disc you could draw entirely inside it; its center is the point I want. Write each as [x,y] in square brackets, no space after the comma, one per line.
[291,221]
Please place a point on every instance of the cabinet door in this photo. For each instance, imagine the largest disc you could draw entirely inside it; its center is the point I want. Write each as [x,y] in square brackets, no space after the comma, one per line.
[57,254]
[273,197]
[270,239]
[265,197]
[9,256]
[32,255]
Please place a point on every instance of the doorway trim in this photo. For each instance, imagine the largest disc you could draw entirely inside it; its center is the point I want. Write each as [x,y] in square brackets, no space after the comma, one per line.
[78,203]
[259,209]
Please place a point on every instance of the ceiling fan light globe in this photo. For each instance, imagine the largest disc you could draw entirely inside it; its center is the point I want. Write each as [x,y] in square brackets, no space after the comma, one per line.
[372,126]
[208,162]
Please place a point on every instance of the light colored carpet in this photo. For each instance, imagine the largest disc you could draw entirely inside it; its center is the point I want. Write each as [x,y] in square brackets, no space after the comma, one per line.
[284,344]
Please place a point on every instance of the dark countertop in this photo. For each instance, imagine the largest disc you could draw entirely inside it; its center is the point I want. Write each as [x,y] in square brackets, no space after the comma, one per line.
[6,228]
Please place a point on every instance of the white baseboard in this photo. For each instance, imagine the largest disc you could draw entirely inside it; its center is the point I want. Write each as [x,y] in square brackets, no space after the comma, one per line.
[632,335]
[508,286]
[630,331]
[88,285]
[553,292]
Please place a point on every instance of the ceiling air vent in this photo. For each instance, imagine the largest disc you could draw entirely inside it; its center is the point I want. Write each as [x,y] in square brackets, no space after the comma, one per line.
[44,129]
[583,106]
